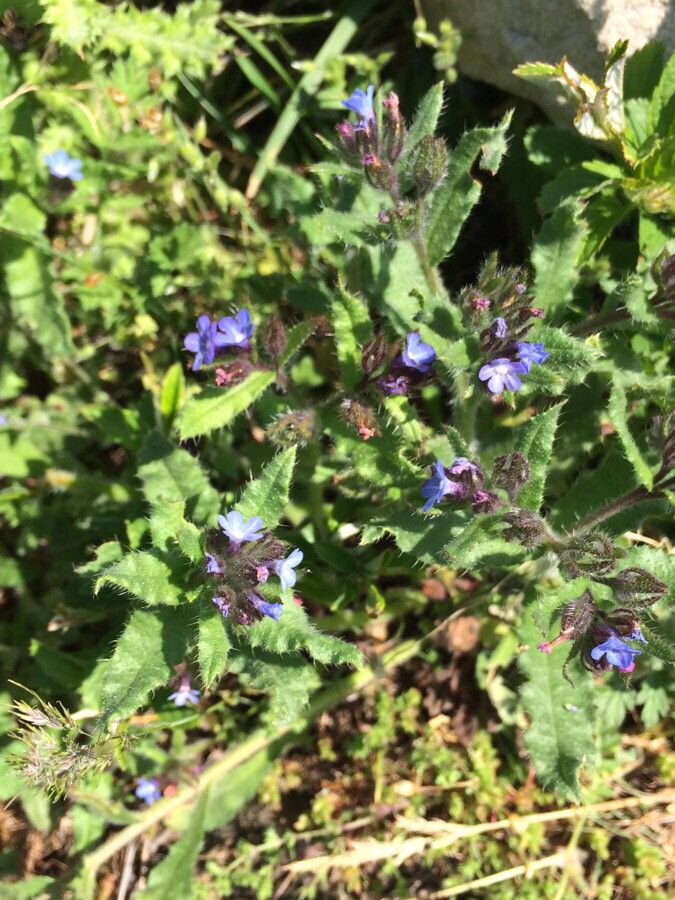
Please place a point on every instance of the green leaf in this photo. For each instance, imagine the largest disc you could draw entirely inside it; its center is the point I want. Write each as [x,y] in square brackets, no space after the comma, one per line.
[659,643]
[287,679]
[229,795]
[213,643]
[459,192]
[146,574]
[560,736]
[295,338]
[618,412]
[555,256]
[662,104]
[168,527]
[353,330]
[172,877]
[169,473]
[216,407]
[35,304]
[535,442]
[267,495]
[173,392]
[152,643]
[424,122]
[393,283]
[294,631]
[548,603]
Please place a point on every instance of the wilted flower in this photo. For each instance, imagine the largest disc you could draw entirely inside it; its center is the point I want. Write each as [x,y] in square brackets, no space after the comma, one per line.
[148,790]
[213,567]
[398,385]
[61,165]
[361,103]
[531,353]
[185,694]
[237,330]
[416,354]
[616,653]
[239,531]
[222,604]
[204,342]
[500,327]
[502,374]
[485,502]
[285,569]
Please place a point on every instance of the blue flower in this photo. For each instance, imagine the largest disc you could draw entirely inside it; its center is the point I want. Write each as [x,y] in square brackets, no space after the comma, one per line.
[285,569]
[616,652]
[273,610]
[239,531]
[148,790]
[237,330]
[637,635]
[500,327]
[204,342]
[439,486]
[213,567]
[416,354]
[502,374]
[222,605]
[185,694]
[61,165]
[361,103]
[531,353]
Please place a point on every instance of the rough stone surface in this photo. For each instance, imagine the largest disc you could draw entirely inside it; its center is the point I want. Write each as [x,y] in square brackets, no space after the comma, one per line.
[498,35]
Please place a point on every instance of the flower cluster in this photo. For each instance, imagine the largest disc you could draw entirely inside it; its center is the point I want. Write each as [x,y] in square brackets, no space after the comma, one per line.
[462,482]
[240,558]
[234,332]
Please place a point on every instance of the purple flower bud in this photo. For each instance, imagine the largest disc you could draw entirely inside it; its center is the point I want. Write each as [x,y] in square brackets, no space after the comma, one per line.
[213,567]
[636,635]
[500,327]
[520,289]
[222,604]
[273,610]
[480,304]
[485,502]
[416,354]
[502,374]
[262,573]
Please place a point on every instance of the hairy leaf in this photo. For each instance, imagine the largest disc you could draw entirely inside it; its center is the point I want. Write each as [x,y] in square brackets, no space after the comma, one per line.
[555,257]
[213,643]
[151,576]
[214,408]
[423,124]
[353,329]
[535,442]
[618,414]
[267,495]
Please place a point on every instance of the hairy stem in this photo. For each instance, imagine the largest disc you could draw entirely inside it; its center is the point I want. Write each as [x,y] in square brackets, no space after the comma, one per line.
[615,506]
[430,272]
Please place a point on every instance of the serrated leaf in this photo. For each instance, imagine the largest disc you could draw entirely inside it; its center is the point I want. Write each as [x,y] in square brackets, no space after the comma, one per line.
[456,196]
[152,643]
[287,679]
[659,644]
[172,877]
[535,442]
[149,575]
[353,330]
[267,495]
[168,527]
[618,412]
[294,631]
[555,256]
[213,643]
[214,408]
[169,473]
[173,392]
[548,604]
[560,735]
[295,338]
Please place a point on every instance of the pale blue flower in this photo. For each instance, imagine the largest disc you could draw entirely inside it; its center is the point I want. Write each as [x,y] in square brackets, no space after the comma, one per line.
[416,354]
[531,353]
[204,342]
[238,530]
[285,569]
[361,103]
[148,790]
[237,330]
[61,165]
[502,374]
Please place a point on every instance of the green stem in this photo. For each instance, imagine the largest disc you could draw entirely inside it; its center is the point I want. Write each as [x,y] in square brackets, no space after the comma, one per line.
[614,507]
[430,272]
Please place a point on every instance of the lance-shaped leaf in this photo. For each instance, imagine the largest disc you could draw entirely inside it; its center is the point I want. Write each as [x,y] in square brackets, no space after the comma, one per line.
[267,495]
[152,576]
[423,124]
[535,443]
[173,392]
[353,329]
[172,877]
[295,338]
[214,408]
[555,257]
[659,643]
[560,735]
[152,643]
[213,643]
[459,192]
[618,414]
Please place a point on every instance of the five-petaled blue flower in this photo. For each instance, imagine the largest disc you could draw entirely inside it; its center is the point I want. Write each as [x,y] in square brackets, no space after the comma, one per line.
[439,486]
[361,103]
[285,569]
[616,652]
[500,327]
[273,610]
[204,342]
[61,165]
[185,694]
[148,790]
[531,353]
[238,530]
[237,330]
[502,374]
[416,354]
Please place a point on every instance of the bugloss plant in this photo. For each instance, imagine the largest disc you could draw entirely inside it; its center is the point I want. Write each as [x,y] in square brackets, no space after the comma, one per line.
[519,428]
